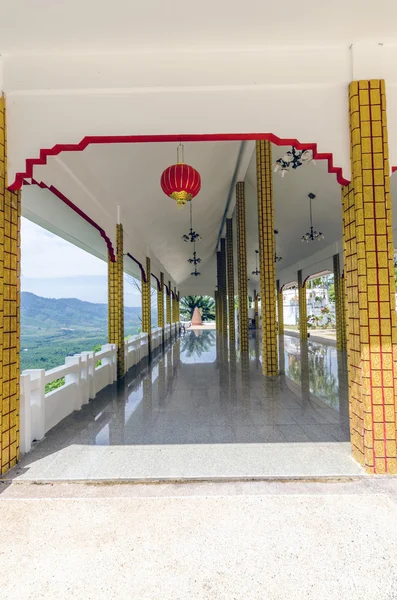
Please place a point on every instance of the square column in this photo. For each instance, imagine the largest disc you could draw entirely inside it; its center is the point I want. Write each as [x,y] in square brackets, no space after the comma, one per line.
[223,288]
[302,308]
[369,283]
[256,309]
[168,304]
[230,281]
[10,219]
[264,175]
[280,308]
[339,305]
[242,267]
[219,324]
[116,302]
[146,305]
[160,306]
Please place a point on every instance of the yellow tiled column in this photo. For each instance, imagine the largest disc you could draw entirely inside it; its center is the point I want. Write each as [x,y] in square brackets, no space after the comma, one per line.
[160,307]
[10,217]
[369,281]
[280,309]
[339,305]
[256,310]
[264,174]
[302,308]
[146,304]
[168,304]
[223,288]
[116,302]
[242,268]
[230,281]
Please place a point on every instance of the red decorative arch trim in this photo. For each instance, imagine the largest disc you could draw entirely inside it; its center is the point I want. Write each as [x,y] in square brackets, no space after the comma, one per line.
[81,213]
[134,139]
[158,281]
[143,273]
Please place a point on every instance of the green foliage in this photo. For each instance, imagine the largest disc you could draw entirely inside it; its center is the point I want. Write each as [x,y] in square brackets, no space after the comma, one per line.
[205,304]
[52,329]
[54,385]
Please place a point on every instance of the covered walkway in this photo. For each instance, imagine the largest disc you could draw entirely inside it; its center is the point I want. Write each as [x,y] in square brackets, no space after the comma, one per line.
[198,413]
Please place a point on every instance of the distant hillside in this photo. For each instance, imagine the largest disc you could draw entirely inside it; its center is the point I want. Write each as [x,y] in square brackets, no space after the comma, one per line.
[51,313]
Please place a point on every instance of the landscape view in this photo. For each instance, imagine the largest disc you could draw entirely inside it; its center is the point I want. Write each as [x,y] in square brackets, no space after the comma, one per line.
[63,300]
[54,328]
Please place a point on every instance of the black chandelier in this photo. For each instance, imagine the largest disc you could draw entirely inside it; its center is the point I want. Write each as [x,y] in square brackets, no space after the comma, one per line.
[292,160]
[194,261]
[256,272]
[192,236]
[276,258]
[312,235]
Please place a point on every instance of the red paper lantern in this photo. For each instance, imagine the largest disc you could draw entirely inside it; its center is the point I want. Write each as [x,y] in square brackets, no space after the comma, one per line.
[181,182]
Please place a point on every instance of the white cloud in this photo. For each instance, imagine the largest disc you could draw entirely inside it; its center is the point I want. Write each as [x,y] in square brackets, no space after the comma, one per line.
[54,268]
[45,255]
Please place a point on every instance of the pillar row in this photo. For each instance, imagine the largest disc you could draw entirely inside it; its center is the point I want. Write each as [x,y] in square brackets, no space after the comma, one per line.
[242,267]
[302,308]
[116,302]
[223,276]
[168,304]
[339,305]
[160,306]
[146,304]
[264,174]
[280,308]
[219,326]
[10,219]
[230,281]
[369,282]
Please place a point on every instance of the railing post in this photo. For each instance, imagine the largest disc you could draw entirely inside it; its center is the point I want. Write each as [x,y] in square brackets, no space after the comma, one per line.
[25,414]
[37,402]
[75,378]
[84,378]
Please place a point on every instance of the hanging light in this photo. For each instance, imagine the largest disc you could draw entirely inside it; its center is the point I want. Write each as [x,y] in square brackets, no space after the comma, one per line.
[195,273]
[292,160]
[276,258]
[256,272]
[312,235]
[194,260]
[180,181]
[192,236]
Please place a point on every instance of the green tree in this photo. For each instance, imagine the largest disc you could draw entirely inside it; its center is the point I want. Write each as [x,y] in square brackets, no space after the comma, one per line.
[205,304]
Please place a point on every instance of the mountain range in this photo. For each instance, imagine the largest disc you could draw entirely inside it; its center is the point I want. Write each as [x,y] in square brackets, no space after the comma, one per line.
[52,313]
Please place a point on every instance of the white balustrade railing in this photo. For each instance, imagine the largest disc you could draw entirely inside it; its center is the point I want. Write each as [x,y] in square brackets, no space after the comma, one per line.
[39,412]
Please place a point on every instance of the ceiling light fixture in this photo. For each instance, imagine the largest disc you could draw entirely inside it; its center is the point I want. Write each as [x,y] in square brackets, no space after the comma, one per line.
[256,272]
[312,235]
[292,160]
[192,236]
[276,258]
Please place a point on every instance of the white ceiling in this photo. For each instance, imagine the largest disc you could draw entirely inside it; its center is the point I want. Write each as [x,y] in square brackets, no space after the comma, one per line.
[101,27]
[291,210]
[129,175]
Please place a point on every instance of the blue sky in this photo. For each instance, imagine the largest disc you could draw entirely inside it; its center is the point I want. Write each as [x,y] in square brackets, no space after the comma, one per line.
[55,268]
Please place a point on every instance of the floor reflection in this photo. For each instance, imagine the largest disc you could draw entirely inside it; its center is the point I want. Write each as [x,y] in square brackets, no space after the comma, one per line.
[200,391]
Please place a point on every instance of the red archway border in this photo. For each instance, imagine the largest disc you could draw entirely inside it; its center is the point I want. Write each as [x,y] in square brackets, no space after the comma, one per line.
[81,213]
[134,139]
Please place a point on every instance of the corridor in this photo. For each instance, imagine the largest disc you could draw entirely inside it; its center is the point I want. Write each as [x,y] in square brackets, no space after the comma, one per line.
[197,413]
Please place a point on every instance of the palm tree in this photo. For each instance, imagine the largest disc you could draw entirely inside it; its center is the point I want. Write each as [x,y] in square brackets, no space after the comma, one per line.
[205,304]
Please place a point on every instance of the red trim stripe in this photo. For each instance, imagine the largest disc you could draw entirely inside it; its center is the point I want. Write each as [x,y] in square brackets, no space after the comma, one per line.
[134,139]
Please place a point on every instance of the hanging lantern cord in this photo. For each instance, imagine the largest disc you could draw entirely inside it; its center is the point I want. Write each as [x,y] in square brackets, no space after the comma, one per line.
[180,153]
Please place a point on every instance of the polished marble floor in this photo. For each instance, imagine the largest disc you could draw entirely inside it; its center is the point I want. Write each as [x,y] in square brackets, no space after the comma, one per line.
[199,412]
